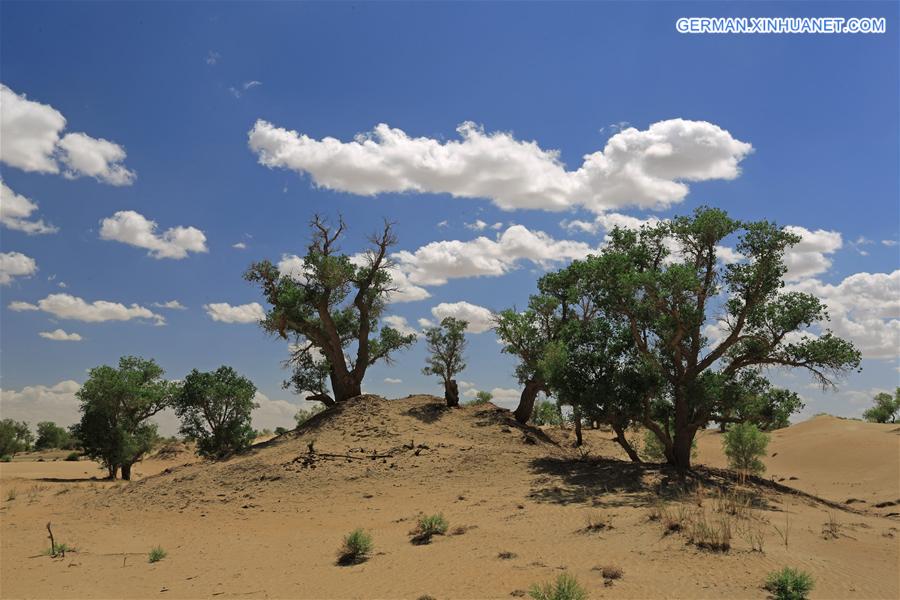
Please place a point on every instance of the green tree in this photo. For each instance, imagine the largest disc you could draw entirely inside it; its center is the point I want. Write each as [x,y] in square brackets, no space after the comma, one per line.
[885,409]
[546,413]
[751,398]
[334,302]
[745,445]
[665,280]
[115,406]
[481,397]
[51,435]
[446,345]
[215,409]
[15,436]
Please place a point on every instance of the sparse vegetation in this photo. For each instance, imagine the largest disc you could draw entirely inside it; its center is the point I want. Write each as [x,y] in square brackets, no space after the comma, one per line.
[831,528]
[611,573]
[73,456]
[58,549]
[481,397]
[305,414]
[156,554]
[429,526]
[885,409]
[356,547]
[214,409]
[446,345]
[745,445]
[546,413]
[789,584]
[566,587]
[6,458]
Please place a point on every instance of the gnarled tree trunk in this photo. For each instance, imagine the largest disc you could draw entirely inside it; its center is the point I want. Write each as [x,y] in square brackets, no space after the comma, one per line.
[526,400]
[451,393]
[626,445]
[126,472]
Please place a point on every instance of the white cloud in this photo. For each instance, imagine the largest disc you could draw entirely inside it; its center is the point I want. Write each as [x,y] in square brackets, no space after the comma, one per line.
[480,319]
[66,306]
[239,91]
[400,324]
[35,403]
[226,313]
[15,212]
[171,305]
[212,57]
[97,158]
[808,257]
[130,227]
[608,221]
[425,323]
[31,142]
[240,246]
[392,380]
[60,336]
[478,225]
[889,243]
[636,168]
[864,308]
[435,263]
[15,264]
[270,414]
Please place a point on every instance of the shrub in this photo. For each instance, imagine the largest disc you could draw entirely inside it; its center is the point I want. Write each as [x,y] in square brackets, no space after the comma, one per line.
[744,445]
[546,413]
[5,458]
[789,584]
[566,587]
[357,546]
[305,414]
[481,398]
[73,456]
[156,554]
[58,548]
[429,526]
[611,572]
[280,430]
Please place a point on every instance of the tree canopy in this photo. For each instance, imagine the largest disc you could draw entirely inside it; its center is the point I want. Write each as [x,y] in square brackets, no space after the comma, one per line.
[446,345]
[885,409]
[333,303]
[215,410]
[115,406]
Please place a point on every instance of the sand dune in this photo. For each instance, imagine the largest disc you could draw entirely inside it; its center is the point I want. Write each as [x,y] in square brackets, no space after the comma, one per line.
[268,523]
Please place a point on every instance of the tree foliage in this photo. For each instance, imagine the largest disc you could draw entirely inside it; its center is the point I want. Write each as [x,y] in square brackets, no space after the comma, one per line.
[15,436]
[446,346]
[333,304]
[215,410]
[885,409]
[665,281]
[115,406]
[51,435]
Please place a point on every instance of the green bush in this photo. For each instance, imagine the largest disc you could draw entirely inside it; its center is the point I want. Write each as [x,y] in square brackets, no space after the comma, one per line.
[429,526]
[58,548]
[357,546]
[281,430]
[789,584]
[744,445]
[156,554]
[566,587]
[480,398]
[73,456]
[546,413]
[5,458]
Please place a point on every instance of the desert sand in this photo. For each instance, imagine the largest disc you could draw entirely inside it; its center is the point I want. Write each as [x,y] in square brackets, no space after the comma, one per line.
[268,524]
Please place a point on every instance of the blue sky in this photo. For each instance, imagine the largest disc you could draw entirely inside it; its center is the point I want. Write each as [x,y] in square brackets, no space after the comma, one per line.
[179,86]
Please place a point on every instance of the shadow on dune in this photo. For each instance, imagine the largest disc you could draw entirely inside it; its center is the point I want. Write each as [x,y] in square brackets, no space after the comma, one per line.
[596,481]
[428,413]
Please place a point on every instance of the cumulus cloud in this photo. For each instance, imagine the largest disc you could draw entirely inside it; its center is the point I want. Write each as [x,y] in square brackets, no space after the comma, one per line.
[59,335]
[270,413]
[864,308]
[243,313]
[130,227]
[392,380]
[66,306]
[171,305]
[15,212]
[35,403]
[31,141]
[437,262]
[15,264]
[809,257]
[400,324]
[480,319]
[646,168]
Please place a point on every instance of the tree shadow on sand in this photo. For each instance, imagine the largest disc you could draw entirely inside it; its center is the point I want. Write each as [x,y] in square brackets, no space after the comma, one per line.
[428,413]
[597,481]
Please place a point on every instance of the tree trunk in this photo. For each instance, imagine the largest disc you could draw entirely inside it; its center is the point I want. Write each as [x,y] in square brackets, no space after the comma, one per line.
[111,469]
[126,472]
[451,393]
[576,416]
[681,449]
[629,449]
[526,401]
[344,387]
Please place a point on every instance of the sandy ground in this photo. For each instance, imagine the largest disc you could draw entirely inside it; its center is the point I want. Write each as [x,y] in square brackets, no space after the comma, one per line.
[268,524]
